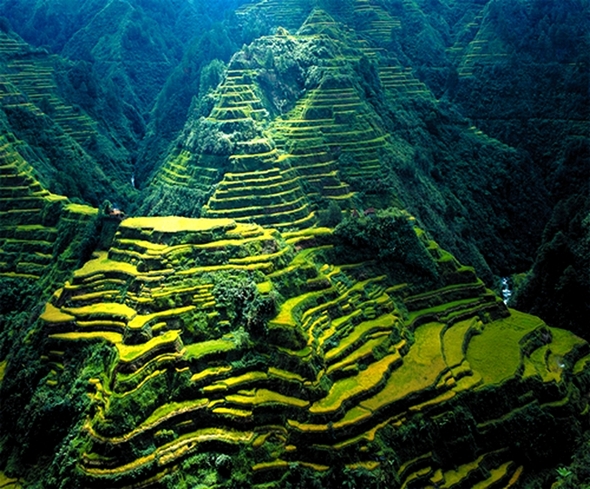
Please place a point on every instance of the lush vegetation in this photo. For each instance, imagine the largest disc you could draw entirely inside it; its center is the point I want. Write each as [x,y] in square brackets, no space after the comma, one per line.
[364,172]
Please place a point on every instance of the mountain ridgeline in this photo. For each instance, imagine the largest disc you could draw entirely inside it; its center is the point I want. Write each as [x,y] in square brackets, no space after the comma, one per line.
[259,243]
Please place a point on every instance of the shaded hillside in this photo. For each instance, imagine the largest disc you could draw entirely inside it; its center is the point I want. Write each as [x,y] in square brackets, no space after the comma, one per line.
[124,54]
[194,77]
[528,67]
[38,98]
[558,286]
[31,241]
[355,127]
[525,81]
[135,44]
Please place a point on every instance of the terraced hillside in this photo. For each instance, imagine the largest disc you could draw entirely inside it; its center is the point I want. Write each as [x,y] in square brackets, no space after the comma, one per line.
[282,130]
[376,23]
[238,160]
[36,93]
[332,120]
[550,60]
[32,74]
[232,338]
[459,48]
[484,50]
[33,221]
[331,116]
[256,186]
[223,337]
[288,14]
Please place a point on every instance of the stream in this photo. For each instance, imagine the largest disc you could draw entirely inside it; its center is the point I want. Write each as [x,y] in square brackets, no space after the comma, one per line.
[506,289]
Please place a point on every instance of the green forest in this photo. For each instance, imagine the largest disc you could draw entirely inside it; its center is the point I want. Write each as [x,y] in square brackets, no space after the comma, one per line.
[295,244]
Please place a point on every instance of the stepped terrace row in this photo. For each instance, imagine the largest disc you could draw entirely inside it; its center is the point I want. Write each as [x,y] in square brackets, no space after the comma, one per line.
[402,79]
[324,124]
[480,51]
[255,187]
[250,184]
[272,198]
[377,24]
[33,76]
[340,363]
[287,13]
[29,217]
[464,38]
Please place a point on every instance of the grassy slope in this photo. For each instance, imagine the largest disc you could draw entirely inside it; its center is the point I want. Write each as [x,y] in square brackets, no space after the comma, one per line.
[436,163]
[323,374]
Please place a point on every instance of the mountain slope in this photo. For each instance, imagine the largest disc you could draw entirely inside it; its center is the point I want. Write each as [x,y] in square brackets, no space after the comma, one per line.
[61,137]
[303,296]
[345,120]
[123,53]
[347,365]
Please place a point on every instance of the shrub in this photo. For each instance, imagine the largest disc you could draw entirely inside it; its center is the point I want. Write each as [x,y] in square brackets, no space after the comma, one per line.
[387,237]
[332,216]
[243,303]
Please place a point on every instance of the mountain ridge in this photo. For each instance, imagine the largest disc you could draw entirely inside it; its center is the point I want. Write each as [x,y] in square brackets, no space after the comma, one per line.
[289,315]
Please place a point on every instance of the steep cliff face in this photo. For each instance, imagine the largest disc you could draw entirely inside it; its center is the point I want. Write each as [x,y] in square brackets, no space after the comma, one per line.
[326,192]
